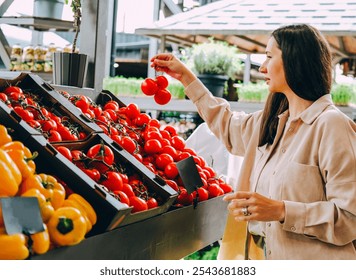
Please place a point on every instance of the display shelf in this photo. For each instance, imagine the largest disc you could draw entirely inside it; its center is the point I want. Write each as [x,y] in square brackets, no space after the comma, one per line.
[38,23]
[170,236]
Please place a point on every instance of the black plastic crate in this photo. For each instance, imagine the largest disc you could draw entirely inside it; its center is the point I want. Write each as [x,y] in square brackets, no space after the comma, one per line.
[53,101]
[155,184]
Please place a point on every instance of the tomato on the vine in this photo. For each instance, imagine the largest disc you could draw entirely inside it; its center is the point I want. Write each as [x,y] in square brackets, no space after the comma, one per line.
[162,82]
[113,181]
[132,111]
[101,152]
[128,144]
[123,197]
[152,203]
[10,89]
[171,170]
[162,96]
[149,87]
[92,173]
[152,146]
[26,115]
[65,151]
[138,204]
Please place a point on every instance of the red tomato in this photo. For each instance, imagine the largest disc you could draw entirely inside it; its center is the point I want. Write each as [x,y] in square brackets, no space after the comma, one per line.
[171,170]
[172,131]
[54,136]
[112,104]
[80,101]
[92,173]
[149,86]
[101,152]
[171,151]
[10,89]
[154,123]
[23,113]
[162,82]
[226,187]
[172,184]
[178,143]
[152,146]
[142,119]
[65,152]
[128,144]
[138,204]
[49,124]
[202,194]
[3,97]
[163,160]
[184,197]
[132,111]
[162,96]
[113,181]
[215,190]
[127,189]
[152,203]
[123,197]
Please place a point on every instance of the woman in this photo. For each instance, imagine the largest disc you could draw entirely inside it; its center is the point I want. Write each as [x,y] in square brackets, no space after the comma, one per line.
[297,189]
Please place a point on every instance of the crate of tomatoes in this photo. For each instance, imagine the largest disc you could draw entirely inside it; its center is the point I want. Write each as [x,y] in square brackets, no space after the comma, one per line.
[39,109]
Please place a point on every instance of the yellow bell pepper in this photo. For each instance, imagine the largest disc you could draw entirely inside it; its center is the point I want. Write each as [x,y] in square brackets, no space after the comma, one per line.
[13,247]
[85,205]
[74,204]
[40,241]
[67,226]
[22,156]
[46,207]
[47,185]
[10,175]
[4,135]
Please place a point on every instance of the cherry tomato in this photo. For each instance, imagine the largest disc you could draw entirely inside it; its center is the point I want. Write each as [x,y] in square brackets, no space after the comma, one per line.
[65,152]
[202,194]
[113,181]
[23,113]
[101,152]
[152,203]
[10,89]
[112,104]
[172,184]
[184,197]
[163,160]
[149,86]
[226,187]
[127,189]
[178,142]
[215,190]
[80,101]
[3,97]
[162,96]
[171,170]
[162,82]
[123,197]
[128,144]
[92,173]
[152,146]
[142,119]
[54,136]
[49,124]
[138,204]
[132,111]
[172,131]
[168,149]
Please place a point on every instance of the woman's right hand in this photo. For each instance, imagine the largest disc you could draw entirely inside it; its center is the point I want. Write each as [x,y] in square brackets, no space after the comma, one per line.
[172,66]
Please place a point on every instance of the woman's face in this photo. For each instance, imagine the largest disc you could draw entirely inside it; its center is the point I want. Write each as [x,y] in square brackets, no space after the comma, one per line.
[272,68]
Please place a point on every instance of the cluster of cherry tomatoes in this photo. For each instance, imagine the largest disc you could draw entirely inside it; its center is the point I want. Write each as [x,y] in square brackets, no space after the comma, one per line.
[157,88]
[99,163]
[29,107]
[158,147]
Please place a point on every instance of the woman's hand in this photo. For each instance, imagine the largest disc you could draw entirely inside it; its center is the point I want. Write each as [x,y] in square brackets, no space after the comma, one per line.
[256,207]
[168,63]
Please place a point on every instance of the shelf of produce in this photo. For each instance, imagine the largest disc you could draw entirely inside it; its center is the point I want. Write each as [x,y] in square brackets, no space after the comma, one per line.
[172,235]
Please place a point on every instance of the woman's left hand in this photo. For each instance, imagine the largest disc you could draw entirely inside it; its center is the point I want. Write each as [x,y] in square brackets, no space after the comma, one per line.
[251,206]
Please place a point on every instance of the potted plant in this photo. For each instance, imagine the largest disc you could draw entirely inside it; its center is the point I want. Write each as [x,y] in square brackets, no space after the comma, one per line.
[69,68]
[48,8]
[214,62]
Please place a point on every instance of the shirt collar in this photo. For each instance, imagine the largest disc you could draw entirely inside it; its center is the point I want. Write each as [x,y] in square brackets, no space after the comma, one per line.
[309,115]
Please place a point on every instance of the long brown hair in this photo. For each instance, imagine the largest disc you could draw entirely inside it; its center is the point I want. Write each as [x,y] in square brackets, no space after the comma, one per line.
[307,63]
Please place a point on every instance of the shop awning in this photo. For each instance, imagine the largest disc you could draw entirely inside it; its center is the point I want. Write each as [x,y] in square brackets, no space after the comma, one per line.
[248,23]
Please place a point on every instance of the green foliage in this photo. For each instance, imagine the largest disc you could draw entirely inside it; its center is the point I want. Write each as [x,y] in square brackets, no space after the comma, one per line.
[213,57]
[132,87]
[253,92]
[343,94]
[208,253]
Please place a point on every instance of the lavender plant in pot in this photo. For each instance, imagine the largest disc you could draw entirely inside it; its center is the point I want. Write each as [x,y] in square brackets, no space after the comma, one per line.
[69,68]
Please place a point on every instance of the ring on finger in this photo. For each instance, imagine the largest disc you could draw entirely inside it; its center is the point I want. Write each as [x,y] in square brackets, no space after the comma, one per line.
[245,211]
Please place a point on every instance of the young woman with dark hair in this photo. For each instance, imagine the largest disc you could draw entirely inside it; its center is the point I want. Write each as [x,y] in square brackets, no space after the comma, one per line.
[297,188]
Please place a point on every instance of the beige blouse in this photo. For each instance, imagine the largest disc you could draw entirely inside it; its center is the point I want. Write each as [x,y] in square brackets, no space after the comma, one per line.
[315,174]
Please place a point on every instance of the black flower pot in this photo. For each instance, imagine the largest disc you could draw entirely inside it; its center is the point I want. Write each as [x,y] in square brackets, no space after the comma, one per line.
[214,83]
[69,69]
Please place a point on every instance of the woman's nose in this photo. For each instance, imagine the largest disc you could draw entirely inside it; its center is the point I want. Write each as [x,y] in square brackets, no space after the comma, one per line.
[262,68]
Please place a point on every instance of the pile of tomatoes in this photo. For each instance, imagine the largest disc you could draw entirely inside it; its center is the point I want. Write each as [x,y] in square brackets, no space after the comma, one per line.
[99,163]
[157,88]
[30,108]
[158,147]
